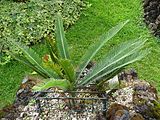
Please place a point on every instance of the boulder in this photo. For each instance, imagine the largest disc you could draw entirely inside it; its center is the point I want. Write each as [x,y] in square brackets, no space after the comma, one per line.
[152,15]
[135,100]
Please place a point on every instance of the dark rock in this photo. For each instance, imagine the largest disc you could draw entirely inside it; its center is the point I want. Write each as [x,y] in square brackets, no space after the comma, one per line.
[122,115]
[146,3]
[10,112]
[100,116]
[145,101]
[137,116]
[128,75]
[151,15]
[118,112]
[87,69]
[152,26]
[23,96]
[90,65]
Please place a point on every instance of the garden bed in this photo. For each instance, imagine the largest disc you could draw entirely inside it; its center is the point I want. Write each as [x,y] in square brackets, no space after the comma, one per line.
[56,104]
[59,105]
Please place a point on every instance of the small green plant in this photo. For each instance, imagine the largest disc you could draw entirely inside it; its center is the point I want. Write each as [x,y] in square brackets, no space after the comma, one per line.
[58,70]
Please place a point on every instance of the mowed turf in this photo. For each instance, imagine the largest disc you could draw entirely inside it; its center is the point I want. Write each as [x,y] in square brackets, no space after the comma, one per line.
[100,17]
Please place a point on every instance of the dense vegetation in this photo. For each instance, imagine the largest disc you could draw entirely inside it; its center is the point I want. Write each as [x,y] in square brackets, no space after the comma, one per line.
[30,21]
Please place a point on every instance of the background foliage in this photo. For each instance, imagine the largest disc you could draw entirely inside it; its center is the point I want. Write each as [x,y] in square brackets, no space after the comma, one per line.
[31,21]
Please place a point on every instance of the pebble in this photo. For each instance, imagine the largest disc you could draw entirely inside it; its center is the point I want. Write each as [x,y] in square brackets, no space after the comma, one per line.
[124,96]
[50,110]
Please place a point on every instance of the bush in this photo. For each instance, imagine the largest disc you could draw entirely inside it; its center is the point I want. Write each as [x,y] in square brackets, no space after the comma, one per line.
[30,22]
[20,0]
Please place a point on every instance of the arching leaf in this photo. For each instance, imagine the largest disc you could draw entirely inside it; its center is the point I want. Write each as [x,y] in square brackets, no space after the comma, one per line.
[98,45]
[61,42]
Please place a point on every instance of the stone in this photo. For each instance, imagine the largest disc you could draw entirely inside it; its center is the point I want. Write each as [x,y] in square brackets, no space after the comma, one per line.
[145,100]
[151,15]
[139,96]
[137,116]
[117,112]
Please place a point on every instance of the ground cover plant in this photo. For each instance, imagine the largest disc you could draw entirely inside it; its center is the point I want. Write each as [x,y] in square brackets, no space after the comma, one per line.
[29,22]
[101,16]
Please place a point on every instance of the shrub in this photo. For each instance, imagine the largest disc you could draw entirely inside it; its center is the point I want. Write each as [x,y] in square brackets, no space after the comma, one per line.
[20,0]
[30,22]
[58,70]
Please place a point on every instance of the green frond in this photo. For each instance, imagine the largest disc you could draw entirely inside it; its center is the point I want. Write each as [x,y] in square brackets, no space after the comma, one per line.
[68,70]
[120,56]
[61,42]
[26,62]
[50,83]
[98,45]
[54,67]
[51,46]
[33,58]
[122,63]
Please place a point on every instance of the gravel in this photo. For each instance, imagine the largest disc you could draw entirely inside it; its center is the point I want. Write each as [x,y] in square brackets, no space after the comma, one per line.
[59,109]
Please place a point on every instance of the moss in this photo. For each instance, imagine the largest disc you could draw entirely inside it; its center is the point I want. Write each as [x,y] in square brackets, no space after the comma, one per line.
[156,109]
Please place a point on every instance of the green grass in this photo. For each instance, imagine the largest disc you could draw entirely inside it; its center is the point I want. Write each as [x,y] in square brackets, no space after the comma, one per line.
[101,16]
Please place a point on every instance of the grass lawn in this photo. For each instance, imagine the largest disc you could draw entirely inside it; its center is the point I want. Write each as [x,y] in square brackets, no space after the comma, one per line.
[102,15]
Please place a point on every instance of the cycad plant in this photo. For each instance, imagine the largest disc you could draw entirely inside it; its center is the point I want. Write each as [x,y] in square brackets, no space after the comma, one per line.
[57,68]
